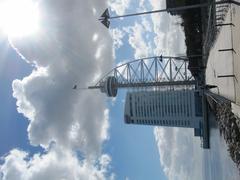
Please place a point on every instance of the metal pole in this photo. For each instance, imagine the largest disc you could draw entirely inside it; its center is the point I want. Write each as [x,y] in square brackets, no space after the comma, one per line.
[206,140]
[106,17]
[170,64]
[178,8]
[164,10]
[185,67]
[150,84]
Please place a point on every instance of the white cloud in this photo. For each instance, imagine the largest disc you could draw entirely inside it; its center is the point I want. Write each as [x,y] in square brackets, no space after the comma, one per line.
[71,48]
[182,157]
[56,164]
[175,145]
[180,153]
[146,24]
[137,42]
[119,6]
[169,36]
[156,4]
[117,36]
[65,56]
[141,4]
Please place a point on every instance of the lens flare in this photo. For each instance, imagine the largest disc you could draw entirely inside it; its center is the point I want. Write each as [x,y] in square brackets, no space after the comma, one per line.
[19,18]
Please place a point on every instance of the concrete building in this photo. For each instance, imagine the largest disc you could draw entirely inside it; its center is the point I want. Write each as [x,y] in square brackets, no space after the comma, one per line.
[175,108]
[223,65]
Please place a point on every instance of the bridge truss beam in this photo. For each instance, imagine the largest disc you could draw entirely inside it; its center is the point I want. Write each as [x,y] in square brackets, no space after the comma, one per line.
[150,71]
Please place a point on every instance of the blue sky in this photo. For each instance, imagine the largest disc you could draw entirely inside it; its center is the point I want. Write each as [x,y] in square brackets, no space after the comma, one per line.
[45,123]
[49,131]
[132,148]
[13,125]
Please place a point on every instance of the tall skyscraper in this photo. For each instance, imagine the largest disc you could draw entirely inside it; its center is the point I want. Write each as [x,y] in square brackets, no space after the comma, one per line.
[175,108]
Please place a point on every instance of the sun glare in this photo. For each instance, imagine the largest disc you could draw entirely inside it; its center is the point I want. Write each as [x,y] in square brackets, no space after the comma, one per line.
[19,18]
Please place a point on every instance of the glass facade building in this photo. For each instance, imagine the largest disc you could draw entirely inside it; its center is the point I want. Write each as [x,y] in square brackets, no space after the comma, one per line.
[174,108]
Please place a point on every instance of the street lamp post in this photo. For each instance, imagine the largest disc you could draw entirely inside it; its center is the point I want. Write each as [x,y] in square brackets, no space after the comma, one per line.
[105,17]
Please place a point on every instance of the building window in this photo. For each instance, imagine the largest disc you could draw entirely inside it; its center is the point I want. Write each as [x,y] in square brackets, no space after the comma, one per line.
[138,110]
[136,113]
[131,112]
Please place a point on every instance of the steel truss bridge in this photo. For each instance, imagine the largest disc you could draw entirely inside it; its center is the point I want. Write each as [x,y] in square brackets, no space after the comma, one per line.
[149,72]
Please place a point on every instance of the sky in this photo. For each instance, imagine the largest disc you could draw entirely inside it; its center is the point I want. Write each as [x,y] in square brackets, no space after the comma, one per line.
[49,131]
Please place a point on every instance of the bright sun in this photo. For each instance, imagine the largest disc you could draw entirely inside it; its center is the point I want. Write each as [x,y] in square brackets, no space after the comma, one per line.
[19,18]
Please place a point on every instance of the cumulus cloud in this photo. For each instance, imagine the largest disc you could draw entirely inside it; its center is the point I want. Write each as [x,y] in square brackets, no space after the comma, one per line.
[137,41]
[182,158]
[169,36]
[146,24]
[117,36]
[179,151]
[70,48]
[119,6]
[55,164]
[141,4]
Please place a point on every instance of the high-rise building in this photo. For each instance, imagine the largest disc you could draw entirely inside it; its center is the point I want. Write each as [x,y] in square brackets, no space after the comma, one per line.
[175,108]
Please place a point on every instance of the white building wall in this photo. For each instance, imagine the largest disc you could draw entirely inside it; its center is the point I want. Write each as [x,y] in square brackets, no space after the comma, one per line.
[163,108]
